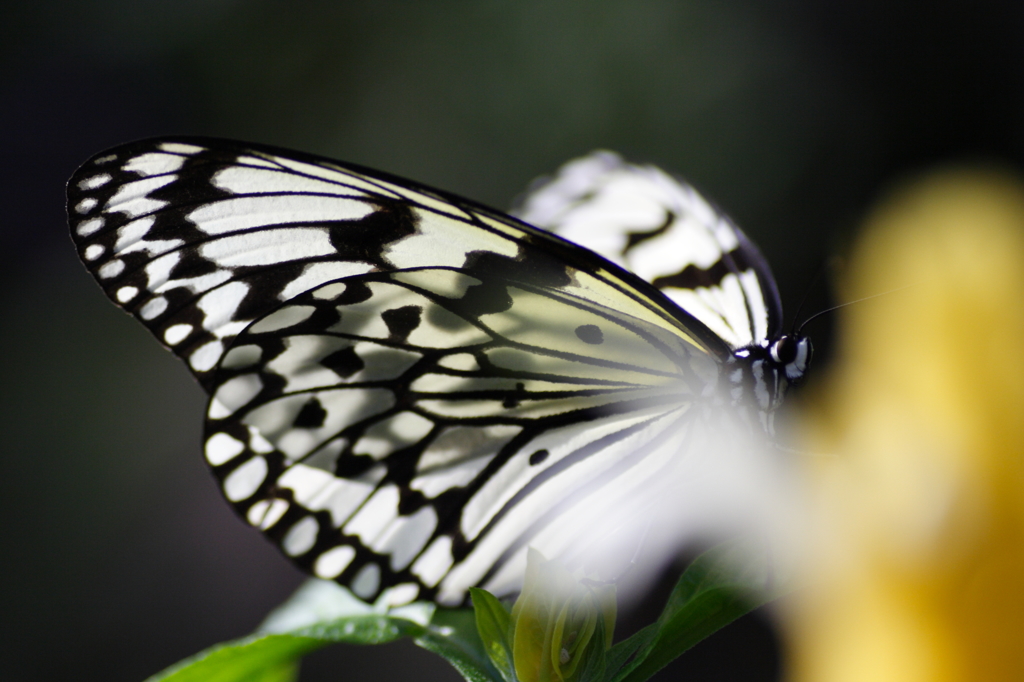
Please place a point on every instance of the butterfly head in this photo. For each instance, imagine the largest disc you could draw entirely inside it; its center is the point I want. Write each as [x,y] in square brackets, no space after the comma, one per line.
[764,371]
[792,355]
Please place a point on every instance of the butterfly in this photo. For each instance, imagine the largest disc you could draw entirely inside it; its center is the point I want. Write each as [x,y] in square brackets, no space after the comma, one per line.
[407,388]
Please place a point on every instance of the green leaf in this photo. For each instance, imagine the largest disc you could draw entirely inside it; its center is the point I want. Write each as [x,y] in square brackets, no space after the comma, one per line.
[720,585]
[270,658]
[622,652]
[452,634]
[592,666]
[319,602]
[322,613]
[493,623]
[274,657]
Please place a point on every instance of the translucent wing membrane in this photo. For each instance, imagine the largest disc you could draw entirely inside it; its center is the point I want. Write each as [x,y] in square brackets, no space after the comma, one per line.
[407,388]
[661,229]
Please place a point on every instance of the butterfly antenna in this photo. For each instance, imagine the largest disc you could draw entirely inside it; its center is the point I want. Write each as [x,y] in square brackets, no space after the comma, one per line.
[807,293]
[848,303]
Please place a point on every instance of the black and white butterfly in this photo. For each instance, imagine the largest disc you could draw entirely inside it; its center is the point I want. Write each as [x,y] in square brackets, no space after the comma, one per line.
[408,389]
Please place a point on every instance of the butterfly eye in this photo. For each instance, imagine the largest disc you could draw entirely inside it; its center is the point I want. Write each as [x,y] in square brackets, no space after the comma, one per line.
[784,350]
[794,354]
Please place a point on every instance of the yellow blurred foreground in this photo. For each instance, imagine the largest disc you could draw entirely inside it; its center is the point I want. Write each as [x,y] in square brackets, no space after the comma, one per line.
[917,571]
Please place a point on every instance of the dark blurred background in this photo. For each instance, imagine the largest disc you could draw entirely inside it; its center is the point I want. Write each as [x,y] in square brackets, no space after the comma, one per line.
[117,555]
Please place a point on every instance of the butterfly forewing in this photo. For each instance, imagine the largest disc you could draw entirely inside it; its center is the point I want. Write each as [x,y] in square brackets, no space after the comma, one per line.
[199,238]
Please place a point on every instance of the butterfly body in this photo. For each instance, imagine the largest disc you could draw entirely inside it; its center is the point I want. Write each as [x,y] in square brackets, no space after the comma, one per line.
[408,388]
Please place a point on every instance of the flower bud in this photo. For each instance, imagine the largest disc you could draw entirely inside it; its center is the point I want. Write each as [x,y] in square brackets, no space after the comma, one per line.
[558,631]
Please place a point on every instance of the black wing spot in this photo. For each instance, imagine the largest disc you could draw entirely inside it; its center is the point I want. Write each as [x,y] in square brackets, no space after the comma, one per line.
[311,416]
[513,399]
[538,457]
[344,362]
[634,238]
[590,333]
[402,321]
[366,239]
[693,277]
[355,292]
[533,266]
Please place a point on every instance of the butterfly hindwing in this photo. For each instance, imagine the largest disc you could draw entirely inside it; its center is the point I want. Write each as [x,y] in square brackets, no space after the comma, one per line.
[661,229]
[381,427]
